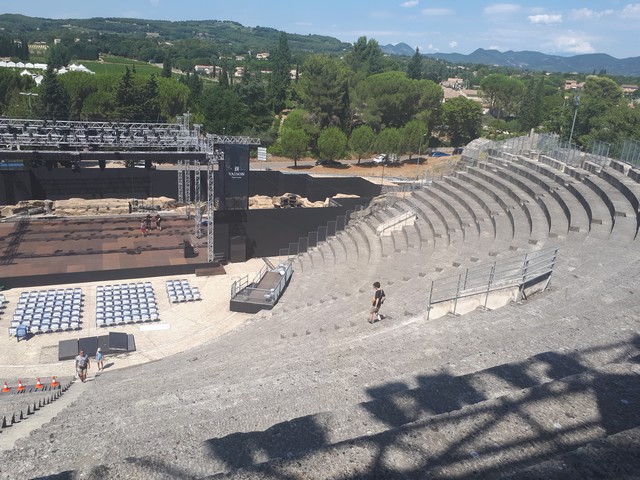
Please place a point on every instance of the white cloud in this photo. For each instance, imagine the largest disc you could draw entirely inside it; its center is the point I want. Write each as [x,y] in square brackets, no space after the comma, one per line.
[409,4]
[631,10]
[545,19]
[437,12]
[501,8]
[380,14]
[588,14]
[453,44]
[572,42]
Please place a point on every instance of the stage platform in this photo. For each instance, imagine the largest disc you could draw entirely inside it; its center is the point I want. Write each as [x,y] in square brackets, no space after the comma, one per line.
[49,251]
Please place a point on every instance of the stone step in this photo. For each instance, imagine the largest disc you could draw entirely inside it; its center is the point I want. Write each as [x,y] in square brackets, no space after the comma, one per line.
[614,456]
[597,211]
[523,427]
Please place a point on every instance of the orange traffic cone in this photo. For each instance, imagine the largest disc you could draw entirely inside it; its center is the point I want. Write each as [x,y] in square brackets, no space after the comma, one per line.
[54,382]
[5,388]
[39,384]
[20,386]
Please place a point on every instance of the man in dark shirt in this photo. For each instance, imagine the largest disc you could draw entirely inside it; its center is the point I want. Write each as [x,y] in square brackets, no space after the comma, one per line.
[378,300]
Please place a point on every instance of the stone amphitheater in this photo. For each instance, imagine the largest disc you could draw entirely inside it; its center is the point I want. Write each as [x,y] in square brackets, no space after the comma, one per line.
[546,387]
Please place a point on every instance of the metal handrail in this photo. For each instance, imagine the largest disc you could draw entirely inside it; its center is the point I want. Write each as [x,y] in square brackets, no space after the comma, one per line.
[483,279]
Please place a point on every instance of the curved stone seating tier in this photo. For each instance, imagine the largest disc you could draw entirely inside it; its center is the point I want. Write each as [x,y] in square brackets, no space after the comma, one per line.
[485,223]
[600,222]
[628,188]
[577,215]
[456,210]
[521,223]
[474,217]
[430,226]
[502,218]
[531,200]
[484,212]
[621,210]
[451,231]
[552,207]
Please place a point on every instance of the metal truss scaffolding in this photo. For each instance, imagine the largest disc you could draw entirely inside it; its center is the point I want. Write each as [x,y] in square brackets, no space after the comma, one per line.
[180,181]
[196,197]
[33,135]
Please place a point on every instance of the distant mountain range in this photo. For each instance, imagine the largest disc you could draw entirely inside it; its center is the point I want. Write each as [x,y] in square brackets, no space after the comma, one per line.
[228,35]
[535,61]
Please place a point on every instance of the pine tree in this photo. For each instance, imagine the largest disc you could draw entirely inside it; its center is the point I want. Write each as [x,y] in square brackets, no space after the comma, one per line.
[280,79]
[54,98]
[414,69]
[166,67]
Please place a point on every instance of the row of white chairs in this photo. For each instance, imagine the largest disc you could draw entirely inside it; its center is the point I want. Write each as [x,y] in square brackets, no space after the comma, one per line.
[48,311]
[180,291]
[125,303]
[113,319]
[45,327]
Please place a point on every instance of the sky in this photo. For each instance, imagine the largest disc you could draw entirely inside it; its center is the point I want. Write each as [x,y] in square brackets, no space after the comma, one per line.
[559,27]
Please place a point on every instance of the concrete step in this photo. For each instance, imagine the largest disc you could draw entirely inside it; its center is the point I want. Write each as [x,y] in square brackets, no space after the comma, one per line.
[518,429]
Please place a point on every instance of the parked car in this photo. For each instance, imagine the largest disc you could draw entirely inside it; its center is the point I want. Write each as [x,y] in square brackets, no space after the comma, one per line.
[457,151]
[438,153]
[328,163]
[386,159]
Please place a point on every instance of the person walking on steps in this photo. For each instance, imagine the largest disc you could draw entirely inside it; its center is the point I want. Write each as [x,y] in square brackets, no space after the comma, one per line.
[378,300]
[100,359]
[82,364]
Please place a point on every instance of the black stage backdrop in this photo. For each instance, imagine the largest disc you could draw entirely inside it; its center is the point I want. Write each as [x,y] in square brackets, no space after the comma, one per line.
[264,232]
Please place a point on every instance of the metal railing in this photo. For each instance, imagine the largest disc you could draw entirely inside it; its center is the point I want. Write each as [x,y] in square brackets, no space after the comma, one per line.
[241,289]
[483,279]
[598,152]
[399,220]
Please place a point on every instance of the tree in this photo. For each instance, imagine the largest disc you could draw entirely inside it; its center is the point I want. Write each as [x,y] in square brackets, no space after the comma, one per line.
[332,143]
[58,56]
[503,93]
[280,78]
[601,96]
[362,140]
[389,141]
[166,67]
[252,92]
[387,99]
[463,118]
[532,104]
[301,119]
[365,57]
[323,90]
[172,97]
[414,69]
[223,111]
[413,135]
[294,143]
[11,84]
[150,102]
[54,100]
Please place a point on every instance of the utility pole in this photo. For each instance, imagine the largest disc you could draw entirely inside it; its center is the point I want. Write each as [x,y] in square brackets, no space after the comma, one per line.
[576,104]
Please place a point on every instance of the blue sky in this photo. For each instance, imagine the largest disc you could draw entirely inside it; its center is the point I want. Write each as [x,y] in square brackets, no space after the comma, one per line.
[561,27]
